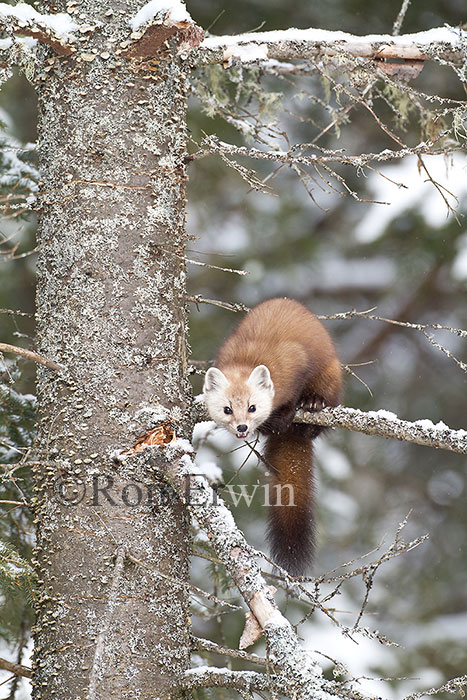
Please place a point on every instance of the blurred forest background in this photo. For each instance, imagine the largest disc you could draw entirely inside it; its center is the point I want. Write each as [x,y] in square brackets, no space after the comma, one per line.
[407,258]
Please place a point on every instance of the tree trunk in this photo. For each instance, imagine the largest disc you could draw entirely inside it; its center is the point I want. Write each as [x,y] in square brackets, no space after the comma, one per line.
[112,550]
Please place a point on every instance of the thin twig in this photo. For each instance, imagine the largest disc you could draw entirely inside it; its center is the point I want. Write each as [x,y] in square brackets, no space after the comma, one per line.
[17,669]
[198,299]
[396,29]
[30,355]
[12,312]
[216,267]
[200,644]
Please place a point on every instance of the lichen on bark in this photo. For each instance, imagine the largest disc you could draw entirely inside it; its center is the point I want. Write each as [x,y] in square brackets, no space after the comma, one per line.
[111,308]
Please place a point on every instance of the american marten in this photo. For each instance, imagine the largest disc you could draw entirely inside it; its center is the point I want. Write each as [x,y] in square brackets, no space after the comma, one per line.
[279,358]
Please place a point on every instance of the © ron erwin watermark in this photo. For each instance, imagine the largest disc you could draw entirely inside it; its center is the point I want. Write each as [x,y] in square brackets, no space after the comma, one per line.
[101,489]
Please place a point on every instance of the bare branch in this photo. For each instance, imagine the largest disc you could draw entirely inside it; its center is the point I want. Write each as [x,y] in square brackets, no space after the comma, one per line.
[216,267]
[213,145]
[447,352]
[422,327]
[12,312]
[291,670]
[198,299]
[30,355]
[345,315]
[17,669]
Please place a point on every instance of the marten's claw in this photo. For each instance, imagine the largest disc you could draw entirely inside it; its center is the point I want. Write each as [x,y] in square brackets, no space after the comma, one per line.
[314,403]
[318,403]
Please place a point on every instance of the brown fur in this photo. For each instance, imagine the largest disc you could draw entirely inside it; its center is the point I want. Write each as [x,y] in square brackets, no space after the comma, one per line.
[299,353]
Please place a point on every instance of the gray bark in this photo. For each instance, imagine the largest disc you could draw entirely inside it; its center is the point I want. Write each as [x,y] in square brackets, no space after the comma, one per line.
[112,564]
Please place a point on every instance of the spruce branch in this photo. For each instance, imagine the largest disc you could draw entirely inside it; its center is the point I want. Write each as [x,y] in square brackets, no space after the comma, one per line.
[382,423]
[388,425]
[295,672]
[213,145]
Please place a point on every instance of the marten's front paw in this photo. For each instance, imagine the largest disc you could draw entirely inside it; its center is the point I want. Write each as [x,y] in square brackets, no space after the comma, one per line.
[312,403]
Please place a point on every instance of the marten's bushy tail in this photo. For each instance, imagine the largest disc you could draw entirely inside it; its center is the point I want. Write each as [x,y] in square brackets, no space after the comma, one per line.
[291,526]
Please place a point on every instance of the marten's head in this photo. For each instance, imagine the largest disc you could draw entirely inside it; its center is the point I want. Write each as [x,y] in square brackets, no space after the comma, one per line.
[237,403]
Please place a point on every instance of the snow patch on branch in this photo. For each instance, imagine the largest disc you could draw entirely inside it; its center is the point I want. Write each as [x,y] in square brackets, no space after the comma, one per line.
[175,11]
[61,24]
[210,470]
[247,52]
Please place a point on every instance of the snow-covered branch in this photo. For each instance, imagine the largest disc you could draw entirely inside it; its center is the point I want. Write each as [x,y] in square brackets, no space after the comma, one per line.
[447,43]
[387,424]
[57,30]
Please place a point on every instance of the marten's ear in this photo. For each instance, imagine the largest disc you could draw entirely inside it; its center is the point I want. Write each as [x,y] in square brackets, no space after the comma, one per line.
[214,380]
[260,378]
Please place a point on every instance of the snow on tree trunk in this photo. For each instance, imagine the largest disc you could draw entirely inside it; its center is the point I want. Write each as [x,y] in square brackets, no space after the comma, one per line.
[112,550]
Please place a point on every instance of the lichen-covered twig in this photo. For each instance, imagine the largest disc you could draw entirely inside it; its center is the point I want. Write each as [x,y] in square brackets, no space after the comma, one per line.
[198,299]
[200,644]
[213,145]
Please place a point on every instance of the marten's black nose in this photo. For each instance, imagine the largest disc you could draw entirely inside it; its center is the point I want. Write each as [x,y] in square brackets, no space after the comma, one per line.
[242,428]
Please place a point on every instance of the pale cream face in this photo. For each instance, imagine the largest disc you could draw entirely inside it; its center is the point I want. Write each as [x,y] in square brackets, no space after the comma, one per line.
[240,408]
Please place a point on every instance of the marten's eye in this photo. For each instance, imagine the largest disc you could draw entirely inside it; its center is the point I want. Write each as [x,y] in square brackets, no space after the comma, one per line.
[228,410]
[252,408]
